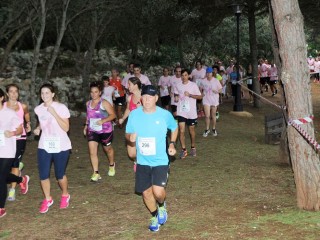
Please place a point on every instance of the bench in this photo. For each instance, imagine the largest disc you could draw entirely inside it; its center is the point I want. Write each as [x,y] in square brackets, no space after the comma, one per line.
[274,125]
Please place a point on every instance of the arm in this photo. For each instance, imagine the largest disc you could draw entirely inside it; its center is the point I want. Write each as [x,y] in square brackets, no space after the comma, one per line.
[63,122]
[172,148]
[17,132]
[112,115]
[27,117]
[126,112]
[198,97]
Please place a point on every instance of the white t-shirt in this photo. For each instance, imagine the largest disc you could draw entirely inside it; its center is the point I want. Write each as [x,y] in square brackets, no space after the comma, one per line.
[107,94]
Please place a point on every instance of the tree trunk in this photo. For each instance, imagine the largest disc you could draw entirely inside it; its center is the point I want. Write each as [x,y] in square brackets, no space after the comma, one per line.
[253,51]
[62,30]
[10,44]
[36,53]
[295,77]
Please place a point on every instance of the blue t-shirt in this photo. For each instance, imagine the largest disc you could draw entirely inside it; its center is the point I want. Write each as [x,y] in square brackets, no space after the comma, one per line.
[151,130]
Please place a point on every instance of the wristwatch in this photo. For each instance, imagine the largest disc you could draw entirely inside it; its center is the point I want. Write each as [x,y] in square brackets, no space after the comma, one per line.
[174,143]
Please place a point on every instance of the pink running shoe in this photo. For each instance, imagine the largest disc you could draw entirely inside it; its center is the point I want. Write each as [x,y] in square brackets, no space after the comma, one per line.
[24,185]
[64,202]
[3,212]
[45,205]
[135,166]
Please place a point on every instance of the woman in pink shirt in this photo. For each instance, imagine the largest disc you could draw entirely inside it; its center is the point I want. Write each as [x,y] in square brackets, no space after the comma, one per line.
[273,75]
[23,113]
[164,83]
[211,87]
[54,145]
[10,127]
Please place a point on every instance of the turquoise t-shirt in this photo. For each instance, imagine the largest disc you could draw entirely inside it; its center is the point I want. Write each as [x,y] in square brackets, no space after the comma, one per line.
[151,130]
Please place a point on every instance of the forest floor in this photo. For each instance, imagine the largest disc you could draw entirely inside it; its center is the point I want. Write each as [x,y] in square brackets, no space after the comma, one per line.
[236,188]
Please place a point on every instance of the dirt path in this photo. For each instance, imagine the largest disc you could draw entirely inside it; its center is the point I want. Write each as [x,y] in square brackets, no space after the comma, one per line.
[234,189]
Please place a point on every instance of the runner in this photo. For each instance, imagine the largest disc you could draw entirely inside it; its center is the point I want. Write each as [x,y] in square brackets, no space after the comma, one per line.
[273,76]
[197,75]
[186,94]
[10,127]
[143,78]
[174,80]
[147,128]
[133,102]
[23,113]
[108,91]
[163,84]
[127,76]
[211,87]
[54,145]
[98,129]
[120,99]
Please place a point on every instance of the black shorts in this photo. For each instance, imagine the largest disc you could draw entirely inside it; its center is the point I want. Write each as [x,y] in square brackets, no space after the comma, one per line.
[189,122]
[104,138]
[272,82]
[21,146]
[173,108]
[264,80]
[120,101]
[147,176]
[165,101]
[250,86]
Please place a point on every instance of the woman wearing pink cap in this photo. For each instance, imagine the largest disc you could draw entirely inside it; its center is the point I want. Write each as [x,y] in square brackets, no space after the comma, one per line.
[211,87]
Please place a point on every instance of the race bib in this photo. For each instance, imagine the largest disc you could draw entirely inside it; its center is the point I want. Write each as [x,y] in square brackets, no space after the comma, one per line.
[165,90]
[2,139]
[249,81]
[94,126]
[185,106]
[198,82]
[52,144]
[147,146]
[116,93]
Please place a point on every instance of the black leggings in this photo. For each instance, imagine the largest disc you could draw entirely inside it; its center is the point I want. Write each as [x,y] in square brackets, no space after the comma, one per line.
[6,177]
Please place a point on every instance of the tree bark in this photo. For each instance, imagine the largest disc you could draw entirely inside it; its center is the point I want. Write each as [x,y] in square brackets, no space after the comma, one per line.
[253,51]
[63,27]
[10,44]
[295,77]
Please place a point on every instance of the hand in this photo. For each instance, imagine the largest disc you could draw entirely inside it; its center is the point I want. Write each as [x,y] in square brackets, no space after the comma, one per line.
[172,150]
[28,127]
[133,137]
[36,131]
[51,110]
[8,134]
[85,130]
[121,120]
[186,93]
[99,123]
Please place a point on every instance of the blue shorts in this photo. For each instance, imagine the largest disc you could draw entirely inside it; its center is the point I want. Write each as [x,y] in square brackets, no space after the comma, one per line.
[60,161]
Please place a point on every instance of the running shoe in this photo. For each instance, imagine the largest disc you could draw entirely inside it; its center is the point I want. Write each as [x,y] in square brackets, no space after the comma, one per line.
[12,194]
[205,133]
[183,154]
[3,212]
[21,166]
[162,214]
[217,115]
[154,225]
[45,205]
[112,170]
[193,152]
[134,166]
[64,201]
[95,177]
[214,132]
[24,185]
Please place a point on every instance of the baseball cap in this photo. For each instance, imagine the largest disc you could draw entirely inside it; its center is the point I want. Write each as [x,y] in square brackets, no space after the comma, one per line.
[149,89]
[209,70]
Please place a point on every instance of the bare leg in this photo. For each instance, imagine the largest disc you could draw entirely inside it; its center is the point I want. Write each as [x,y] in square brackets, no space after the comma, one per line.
[213,116]
[63,183]
[45,185]
[182,129]
[93,151]
[207,114]
[110,153]
[192,133]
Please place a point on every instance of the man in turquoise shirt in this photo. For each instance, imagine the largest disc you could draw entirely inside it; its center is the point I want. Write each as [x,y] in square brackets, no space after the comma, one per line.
[147,126]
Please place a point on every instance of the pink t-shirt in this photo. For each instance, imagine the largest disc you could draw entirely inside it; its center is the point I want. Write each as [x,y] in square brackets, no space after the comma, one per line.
[20,114]
[210,98]
[126,79]
[10,121]
[164,82]
[273,73]
[52,133]
[107,94]
[317,66]
[144,80]
[187,107]
[311,63]
[173,81]
[198,74]
[263,70]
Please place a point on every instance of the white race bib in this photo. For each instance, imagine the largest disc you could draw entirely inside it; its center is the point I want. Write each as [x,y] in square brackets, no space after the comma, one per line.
[2,139]
[185,106]
[52,144]
[165,90]
[116,93]
[198,82]
[93,124]
[249,81]
[147,146]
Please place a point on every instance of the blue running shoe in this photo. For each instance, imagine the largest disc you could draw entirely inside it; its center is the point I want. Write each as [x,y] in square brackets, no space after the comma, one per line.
[154,225]
[162,214]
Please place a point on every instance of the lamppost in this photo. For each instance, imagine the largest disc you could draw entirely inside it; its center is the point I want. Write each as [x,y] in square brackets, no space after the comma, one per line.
[237,9]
